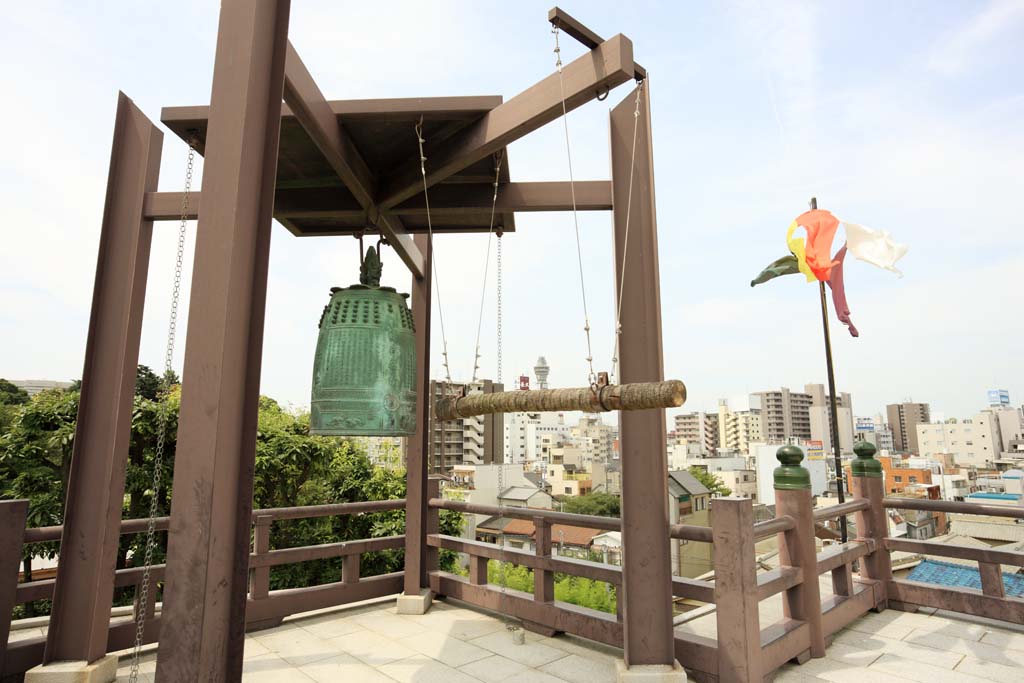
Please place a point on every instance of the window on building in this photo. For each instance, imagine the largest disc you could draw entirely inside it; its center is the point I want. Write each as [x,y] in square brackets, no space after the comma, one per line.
[568,489]
[913,479]
[899,478]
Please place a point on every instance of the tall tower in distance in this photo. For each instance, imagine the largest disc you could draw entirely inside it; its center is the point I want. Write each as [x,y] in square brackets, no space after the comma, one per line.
[541,370]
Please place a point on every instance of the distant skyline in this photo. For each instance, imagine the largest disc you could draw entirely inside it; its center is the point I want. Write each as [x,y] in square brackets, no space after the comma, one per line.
[901,116]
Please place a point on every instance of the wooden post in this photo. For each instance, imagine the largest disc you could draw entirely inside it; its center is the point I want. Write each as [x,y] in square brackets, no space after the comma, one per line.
[203,624]
[430,563]
[260,580]
[543,580]
[868,481]
[12,531]
[350,568]
[478,570]
[796,546]
[646,568]
[739,626]
[416,589]
[84,587]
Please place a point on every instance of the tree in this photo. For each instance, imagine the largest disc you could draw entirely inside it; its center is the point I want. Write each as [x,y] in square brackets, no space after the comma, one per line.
[11,394]
[711,482]
[602,504]
[147,383]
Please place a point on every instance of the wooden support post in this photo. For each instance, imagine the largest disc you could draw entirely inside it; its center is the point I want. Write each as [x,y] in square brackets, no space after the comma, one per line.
[543,581]
[796,546]
[12,531]
[478,570]
[867,481]
[842,580]
[84,586]
[260,579]
[646,569]
[430,563]
[350,568]
[739,626]
[208,553]
[418,445]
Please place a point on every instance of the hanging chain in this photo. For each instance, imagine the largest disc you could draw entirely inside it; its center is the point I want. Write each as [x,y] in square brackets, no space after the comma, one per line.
[161,430]
[591,375]
[430,245]
[625,237]
[487,263]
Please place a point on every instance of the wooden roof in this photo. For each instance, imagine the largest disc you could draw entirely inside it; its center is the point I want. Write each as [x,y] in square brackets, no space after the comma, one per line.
[382,130]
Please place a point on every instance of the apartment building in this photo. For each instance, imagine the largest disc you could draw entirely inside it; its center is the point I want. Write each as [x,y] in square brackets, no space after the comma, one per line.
[699,428]
[903,420]
[784,414]
[472,440]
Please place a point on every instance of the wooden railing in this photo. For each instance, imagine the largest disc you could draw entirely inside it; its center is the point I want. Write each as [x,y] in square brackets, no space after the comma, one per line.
[265,607]
[991,601]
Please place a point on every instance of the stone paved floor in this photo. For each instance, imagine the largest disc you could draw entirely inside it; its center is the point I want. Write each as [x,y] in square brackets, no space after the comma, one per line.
[371,643]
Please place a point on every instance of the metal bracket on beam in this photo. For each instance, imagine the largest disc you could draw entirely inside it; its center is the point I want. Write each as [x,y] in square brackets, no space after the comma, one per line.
[576,29]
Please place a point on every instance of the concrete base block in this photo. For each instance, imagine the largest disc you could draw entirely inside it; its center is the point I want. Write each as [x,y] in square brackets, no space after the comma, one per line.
[649,673]
[103,670]
[415,604]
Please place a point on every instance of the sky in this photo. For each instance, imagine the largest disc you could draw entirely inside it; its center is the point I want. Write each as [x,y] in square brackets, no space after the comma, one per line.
[900,116]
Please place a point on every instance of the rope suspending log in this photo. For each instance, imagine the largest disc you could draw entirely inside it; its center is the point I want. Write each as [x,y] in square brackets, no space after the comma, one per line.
[639,396]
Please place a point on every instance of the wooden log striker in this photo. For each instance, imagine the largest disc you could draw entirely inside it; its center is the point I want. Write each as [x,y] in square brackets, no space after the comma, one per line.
[639,396]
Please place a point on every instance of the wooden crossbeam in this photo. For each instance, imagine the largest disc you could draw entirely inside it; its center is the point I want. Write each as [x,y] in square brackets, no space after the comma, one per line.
[445,200]
[315,115]
[606,66]
[576,29]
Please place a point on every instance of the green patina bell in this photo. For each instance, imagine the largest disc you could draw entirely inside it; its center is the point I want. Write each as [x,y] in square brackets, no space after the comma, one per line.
[364,373]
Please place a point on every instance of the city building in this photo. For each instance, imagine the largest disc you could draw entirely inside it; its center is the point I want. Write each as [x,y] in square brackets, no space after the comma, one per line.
[525,433]
[541,370]
[472,440]
[974,442]
[1010,423]
[785,414]
[820,415]
[607,478]
[699,428]
[596,438]
[737,430]
[903,419]
[34,386]
[569,480]
[688,503]
[740,482]
[874,431]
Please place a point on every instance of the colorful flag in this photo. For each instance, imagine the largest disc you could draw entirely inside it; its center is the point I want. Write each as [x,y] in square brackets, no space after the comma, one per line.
[787,265]
[821,229]
[835,281]
[796,246]
[874,246]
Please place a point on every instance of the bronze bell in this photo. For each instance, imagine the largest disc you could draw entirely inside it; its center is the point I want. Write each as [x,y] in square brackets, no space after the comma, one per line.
[364,372]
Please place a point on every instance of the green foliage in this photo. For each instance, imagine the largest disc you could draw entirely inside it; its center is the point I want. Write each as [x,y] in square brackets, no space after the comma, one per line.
[711,482]
[292,468]
[12,395]
[575,590]
[603,504]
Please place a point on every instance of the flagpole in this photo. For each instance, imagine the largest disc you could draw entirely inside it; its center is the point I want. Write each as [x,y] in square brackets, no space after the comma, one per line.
[832,398]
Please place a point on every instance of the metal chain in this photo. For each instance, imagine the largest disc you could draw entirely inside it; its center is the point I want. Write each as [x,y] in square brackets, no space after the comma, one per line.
[433,270]
[625,237]
[591,375]
[487,263]
[161,431]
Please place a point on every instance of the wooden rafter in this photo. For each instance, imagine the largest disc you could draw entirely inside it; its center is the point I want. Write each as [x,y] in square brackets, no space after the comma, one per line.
[608,65]
[314,114]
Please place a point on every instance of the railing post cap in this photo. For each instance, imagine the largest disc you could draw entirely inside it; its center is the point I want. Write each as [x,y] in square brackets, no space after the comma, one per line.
[865,465]
[791,476]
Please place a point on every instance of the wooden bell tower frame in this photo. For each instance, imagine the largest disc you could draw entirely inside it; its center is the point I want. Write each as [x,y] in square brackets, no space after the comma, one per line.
[201,629]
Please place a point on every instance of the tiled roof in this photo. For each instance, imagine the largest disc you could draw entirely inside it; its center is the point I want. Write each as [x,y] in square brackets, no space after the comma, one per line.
[560,533]
[946,574]
[688,482]
[518,493]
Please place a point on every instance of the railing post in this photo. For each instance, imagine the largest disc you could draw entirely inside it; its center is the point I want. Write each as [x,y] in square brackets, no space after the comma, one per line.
[543,580]
[796,546]
[433,525]
[868,482]
[259,582]
[478,570]
[350,568]
[12,531]
[739,627]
